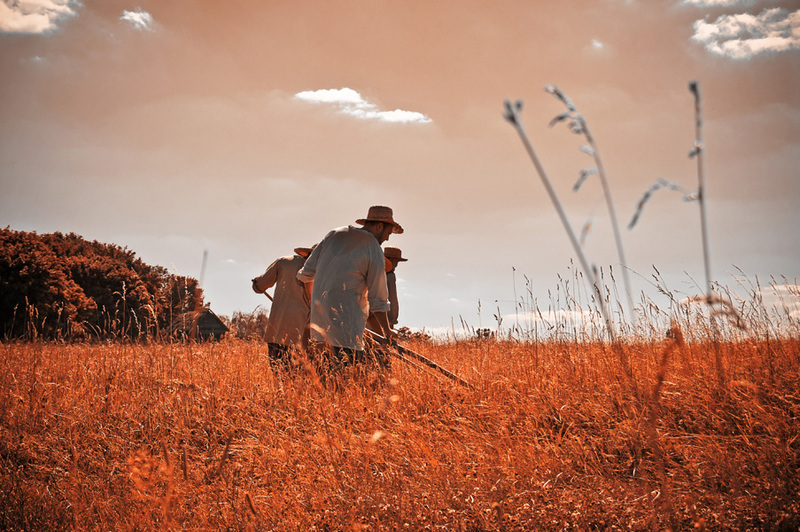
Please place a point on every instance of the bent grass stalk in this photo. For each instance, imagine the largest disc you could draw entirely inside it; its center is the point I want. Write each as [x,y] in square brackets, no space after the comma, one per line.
[578,125]
[513,116]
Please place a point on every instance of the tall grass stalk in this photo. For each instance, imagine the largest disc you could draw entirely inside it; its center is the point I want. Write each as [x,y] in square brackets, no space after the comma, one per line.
[697,152]
[512,114]
[578,125]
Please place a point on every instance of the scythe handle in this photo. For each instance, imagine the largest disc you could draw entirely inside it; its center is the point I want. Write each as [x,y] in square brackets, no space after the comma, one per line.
[402,352]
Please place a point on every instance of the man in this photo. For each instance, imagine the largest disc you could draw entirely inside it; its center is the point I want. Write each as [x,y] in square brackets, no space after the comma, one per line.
[348,272]
[288,317]
[394,256]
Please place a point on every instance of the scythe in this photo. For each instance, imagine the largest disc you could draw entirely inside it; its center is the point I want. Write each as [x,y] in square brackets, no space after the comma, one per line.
[408,356]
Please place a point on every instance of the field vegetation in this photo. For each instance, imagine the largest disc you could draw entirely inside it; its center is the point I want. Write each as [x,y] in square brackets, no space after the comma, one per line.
[579,417]
[553,435]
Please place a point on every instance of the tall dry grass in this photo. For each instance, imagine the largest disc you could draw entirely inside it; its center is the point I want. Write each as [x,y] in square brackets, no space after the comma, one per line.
[209,437]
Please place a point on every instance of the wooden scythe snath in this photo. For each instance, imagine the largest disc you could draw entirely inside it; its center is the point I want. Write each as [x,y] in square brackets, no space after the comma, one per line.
[405,354]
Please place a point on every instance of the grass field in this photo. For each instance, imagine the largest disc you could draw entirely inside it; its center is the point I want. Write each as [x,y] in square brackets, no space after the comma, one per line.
[554,436]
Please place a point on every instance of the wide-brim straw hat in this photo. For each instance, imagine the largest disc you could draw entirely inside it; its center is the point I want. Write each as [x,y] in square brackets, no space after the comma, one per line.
[379,213]
[393,253]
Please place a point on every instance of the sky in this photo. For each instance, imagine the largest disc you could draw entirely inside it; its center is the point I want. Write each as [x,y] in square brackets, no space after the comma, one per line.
[244,129]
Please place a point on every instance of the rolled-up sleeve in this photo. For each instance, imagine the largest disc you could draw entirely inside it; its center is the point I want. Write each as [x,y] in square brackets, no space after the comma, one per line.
[307,273]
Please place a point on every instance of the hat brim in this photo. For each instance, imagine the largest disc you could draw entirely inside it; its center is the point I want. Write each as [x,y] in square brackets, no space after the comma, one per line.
[303,252]
[397,229]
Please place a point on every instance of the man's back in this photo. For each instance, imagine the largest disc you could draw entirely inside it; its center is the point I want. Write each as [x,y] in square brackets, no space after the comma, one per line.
[347,268]
[289,313]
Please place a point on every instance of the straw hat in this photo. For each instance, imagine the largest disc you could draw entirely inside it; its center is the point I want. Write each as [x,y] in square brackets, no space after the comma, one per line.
[379,213]
[304,252]
[393,253]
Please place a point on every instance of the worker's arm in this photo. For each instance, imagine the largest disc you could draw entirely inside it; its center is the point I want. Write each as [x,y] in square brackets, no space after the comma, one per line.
[266,279]
[379,322]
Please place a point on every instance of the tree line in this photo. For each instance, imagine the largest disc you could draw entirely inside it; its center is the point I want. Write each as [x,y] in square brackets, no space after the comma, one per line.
[61,286]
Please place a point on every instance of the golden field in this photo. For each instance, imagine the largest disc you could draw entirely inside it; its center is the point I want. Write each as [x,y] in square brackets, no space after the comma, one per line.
[553,436]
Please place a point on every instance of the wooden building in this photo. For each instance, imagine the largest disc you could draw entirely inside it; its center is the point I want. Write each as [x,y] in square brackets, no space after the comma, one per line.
[201,325]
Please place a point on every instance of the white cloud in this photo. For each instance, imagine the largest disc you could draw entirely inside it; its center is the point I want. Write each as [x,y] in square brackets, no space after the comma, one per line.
[141,20]
[32,16]
[344,96]
[788,289]
[597,45]
[550,316]
[786,296]
[351,103]
[742,36]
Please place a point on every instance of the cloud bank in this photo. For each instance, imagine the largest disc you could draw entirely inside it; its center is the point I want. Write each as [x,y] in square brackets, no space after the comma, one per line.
[141,20]
[787,299]
[32,16]
[351,103]
[742,35]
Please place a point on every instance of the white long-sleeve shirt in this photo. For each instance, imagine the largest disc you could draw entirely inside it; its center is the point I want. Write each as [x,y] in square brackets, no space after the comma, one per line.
[348,270]
[288,316]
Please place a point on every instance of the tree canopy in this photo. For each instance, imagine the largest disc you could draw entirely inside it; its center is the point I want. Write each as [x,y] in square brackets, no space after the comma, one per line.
[63,286]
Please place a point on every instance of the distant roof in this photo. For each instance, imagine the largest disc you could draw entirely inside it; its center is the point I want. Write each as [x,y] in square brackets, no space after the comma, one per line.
[208,324]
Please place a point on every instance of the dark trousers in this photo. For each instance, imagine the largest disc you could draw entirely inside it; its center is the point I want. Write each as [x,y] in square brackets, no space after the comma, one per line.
[331,359]
[280,355]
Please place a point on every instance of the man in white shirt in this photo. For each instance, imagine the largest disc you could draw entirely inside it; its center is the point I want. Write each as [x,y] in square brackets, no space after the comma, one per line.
[288,316]
[347,269]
